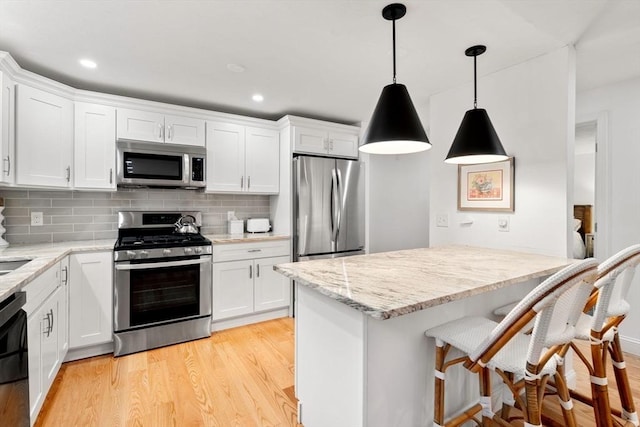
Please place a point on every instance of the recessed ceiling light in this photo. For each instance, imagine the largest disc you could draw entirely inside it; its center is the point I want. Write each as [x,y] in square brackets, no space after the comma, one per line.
[87,63]
[257,97]
[236,68]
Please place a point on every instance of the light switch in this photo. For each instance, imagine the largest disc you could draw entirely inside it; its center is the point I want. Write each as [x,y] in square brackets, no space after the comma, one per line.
[442,220]
[503,223]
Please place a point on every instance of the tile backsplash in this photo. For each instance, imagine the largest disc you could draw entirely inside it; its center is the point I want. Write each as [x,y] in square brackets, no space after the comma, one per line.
[87,215]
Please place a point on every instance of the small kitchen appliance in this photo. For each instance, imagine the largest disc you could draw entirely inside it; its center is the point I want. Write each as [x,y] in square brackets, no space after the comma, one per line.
[258,225]
[162,280]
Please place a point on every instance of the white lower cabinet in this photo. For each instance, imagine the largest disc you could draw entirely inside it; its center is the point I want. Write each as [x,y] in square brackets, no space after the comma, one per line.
[45,307]
[244,282]
[90,299]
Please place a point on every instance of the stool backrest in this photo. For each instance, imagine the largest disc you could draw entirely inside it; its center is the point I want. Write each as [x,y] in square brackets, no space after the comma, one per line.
[614,279]
[556,304]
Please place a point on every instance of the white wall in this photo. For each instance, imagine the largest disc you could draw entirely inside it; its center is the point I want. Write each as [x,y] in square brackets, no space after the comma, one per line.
[621,103]
[398,201]
[532,107]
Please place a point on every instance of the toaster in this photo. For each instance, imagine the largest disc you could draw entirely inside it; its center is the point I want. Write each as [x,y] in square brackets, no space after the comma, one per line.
[258,225]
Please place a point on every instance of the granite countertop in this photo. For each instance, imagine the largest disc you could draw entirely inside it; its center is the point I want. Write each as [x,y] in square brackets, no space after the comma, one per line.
[42,256]
[391,284]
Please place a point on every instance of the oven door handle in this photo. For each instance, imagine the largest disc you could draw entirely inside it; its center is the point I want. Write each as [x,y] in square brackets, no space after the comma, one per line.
[147,266]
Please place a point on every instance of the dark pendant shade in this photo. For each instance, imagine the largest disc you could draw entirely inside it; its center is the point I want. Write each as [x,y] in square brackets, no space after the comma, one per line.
[476,140]
[395,127]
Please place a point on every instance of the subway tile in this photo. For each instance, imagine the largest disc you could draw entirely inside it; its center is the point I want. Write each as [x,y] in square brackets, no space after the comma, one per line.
[71,202]
[106,235]
[28,203]
[163,195]
[233,203]
[147,204]
[17,229]
[92,211]
[64,237]
[55,211]
[15,212]
[130,195]
[14,194]
[71,219]
[105,218]
[112,203]
[29,238]
[52,228]
[42,194]
[223,197]
[191,195]
[94,195]
[17,220]
[92,227]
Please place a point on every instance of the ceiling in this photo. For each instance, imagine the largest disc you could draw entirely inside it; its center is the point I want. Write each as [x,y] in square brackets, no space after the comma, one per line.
[327,59]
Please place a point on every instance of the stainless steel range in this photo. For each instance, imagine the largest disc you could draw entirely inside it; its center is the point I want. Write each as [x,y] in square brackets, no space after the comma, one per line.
[162,280]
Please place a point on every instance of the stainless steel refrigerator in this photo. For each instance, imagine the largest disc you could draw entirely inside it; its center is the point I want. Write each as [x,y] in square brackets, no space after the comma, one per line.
[328,207]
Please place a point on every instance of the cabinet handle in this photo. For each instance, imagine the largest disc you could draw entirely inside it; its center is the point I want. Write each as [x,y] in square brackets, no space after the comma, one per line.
[254,250]
[66,275]
[257,270]
[51,330]
[160,131]
[169,132]
[68,173]
[249,182]
[110,175]
[250,272]
[8,162]
[241,182]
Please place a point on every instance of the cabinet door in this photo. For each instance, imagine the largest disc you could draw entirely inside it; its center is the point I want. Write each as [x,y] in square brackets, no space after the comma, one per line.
[95,146]
[34,332]
[225,157]
[262,160]
[63,322]
[343,144]
[139,125]
[184,130]
[90,299]
[50,352]
[7,129]
[309,140]
[232,289]
[44,138]
[271,290]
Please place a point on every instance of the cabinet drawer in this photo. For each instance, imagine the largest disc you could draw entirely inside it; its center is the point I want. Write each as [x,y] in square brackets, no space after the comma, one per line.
[239,251]
[43,286]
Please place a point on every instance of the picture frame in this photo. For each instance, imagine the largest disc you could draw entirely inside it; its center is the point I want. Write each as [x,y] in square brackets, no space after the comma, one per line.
[487,186]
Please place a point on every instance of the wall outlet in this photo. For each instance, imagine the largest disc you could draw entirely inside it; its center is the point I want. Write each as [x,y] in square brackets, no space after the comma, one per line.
[442,220]
[37,219]
[230,215]
[503,223]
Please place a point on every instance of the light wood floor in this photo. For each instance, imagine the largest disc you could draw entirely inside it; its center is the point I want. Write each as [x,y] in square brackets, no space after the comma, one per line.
[240,377]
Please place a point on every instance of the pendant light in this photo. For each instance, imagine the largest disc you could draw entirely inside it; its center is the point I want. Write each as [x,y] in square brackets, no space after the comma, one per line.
[476,140]
[394,127]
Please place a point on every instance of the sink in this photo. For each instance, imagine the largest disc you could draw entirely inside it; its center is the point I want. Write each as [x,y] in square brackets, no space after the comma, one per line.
[7,267]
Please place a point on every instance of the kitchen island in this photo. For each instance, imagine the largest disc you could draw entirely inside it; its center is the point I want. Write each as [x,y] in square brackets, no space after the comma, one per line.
[361,355]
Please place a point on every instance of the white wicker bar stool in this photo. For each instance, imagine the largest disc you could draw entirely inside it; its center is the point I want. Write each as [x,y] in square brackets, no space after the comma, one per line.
[604,312]
[524,362]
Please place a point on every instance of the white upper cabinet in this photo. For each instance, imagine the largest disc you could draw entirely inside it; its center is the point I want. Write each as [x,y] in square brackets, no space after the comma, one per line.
[7,129]
[137,125]
[242,159]
[44,138]
[309,140]
[95,146]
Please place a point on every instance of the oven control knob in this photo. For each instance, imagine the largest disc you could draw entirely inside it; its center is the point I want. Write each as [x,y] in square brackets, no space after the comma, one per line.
[197,250]
[166,252]
[131,254]
[188,250]
[144,254]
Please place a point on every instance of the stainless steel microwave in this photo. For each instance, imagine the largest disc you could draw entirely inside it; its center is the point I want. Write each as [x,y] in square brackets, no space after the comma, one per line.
[152,164]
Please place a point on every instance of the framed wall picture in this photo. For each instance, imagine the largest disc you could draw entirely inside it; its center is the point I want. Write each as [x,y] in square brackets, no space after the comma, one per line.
[486,187]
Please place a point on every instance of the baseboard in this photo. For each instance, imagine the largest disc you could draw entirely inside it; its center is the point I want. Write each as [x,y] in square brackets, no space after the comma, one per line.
[630,345]
[89,351]
[219,325]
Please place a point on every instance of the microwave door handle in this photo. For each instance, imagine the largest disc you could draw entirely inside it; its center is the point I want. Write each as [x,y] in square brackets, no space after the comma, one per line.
[186,176]
[126,267]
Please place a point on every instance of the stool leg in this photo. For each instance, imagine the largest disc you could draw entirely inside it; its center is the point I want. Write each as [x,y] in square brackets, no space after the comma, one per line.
[484,378]
[599,389]
[622,380]
[565,399]
[438,392]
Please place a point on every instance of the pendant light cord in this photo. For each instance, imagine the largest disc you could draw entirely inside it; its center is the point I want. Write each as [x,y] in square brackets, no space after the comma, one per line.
[394,50]
[475,83]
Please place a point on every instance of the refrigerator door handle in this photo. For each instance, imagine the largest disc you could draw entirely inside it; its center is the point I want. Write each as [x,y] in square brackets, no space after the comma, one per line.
[340,204]
[335,208]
